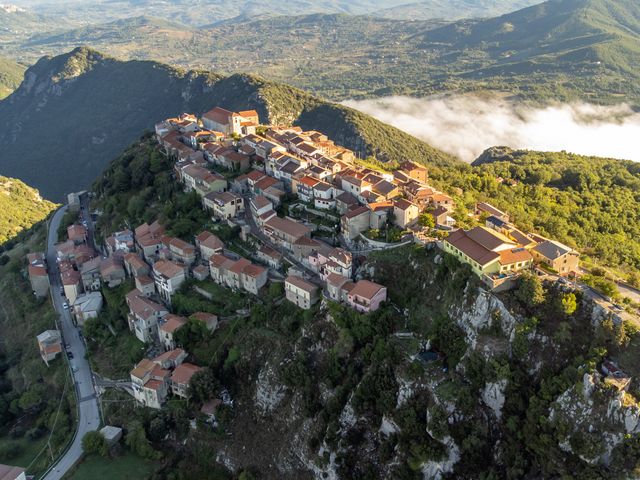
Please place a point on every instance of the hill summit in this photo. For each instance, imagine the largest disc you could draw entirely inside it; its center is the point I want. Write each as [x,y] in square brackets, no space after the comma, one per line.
[75,112]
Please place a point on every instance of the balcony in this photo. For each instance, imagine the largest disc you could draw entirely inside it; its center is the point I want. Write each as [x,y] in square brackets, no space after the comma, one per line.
[500,282]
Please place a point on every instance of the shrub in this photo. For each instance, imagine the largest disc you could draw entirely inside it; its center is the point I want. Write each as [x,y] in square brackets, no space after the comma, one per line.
[94,443]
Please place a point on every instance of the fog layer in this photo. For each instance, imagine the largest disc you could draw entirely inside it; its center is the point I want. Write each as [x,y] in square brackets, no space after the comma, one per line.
[466,125]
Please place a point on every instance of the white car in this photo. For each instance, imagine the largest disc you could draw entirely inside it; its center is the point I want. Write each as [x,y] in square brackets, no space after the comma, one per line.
[74,368]
[65,305]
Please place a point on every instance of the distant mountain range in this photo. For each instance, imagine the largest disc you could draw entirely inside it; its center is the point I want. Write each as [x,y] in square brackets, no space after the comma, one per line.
[76,112]
[561,49]
[453,9]
[578,36]
[208,12]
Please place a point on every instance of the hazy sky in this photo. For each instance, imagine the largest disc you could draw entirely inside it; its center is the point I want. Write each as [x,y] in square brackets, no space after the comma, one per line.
[466,125]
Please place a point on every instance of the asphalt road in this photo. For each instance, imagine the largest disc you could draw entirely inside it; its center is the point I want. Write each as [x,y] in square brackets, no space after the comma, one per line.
[89,415]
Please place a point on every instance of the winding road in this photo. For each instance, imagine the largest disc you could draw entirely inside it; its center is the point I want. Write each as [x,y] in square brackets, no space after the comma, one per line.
[89,414]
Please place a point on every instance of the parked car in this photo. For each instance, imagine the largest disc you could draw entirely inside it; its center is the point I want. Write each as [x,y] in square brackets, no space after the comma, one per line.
[74,368]
[69,354]
[65,305]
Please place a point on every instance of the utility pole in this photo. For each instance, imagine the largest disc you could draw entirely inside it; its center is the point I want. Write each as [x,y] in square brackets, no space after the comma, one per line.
[50,449]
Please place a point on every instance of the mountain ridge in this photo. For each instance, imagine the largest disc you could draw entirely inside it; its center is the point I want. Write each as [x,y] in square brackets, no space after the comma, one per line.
[87,107]
[565,50]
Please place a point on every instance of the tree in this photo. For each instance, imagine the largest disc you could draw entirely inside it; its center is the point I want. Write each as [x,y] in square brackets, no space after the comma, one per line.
[530,291]
[426,220]
[95,443]
[203,386]
[569,303]
[191,334]
[634,279]
[138,442]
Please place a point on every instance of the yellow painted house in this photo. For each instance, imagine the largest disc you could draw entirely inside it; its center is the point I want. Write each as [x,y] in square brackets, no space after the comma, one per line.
[488,252]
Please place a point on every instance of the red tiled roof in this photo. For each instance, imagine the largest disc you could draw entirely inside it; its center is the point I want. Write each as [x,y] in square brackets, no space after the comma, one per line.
[404,204]
[354,212]
[218,260]
[265,183]
[309,181]
[183,373]
[253,270]
[170,356]
[144,280]
[516,255]
[255,175]
[381,206]
[173,322]
[168,268]
[366,289]
[289,227]
[218,115]
[142,306]
[209,240]
[37,271]
[239,266]
[248,113]
[301,284]
[336,280]
[76,232]
[471,248]
[135,261]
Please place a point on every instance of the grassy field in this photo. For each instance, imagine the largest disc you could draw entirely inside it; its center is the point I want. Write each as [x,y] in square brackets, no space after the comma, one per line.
[126,466]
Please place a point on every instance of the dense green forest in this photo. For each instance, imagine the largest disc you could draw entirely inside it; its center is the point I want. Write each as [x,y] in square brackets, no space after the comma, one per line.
[20,207]
[589,203]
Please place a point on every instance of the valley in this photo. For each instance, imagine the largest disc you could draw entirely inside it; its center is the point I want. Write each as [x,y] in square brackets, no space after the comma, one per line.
[562,50]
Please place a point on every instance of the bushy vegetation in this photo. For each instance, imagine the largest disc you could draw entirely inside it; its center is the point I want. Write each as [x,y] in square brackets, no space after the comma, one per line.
[138,187]
[587,203]
[10,76]
[20,207]
[30,392]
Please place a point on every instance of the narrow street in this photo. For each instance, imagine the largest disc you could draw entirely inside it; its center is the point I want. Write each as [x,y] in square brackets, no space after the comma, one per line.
[257,232]
[88,412]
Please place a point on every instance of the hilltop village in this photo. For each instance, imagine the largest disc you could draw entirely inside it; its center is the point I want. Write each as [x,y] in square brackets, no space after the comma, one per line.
[311,212]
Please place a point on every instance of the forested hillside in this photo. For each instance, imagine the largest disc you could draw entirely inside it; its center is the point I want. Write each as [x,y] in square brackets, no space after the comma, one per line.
[10,76]
[560,49]
[589,203]
[20,207]
[37,403]
[86,107]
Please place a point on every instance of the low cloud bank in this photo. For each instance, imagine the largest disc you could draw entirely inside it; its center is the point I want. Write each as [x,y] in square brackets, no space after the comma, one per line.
[466,125]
